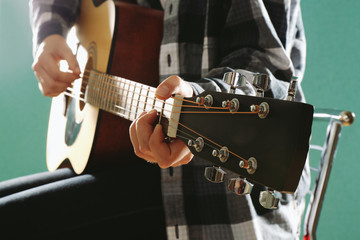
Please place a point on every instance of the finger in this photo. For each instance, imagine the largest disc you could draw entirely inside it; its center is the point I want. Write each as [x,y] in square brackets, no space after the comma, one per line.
[47,70]
[52,68]
[135,142]
[71,60]
[164,153]
[144,130]
[179,152]
[173,85]
[49,87]
[185,160]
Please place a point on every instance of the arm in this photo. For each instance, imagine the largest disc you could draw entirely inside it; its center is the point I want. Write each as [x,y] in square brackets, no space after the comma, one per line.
[50,24]
[250,39]
[258,36]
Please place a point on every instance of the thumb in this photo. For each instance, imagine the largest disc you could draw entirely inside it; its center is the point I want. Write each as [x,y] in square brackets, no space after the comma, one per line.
[173,85]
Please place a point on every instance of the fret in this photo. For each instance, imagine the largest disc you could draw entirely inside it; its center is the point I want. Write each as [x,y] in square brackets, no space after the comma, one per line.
[102,91]
[134,102]
[98,90]
[138,91]
[154,102]
[88,89]
[130,108]
[151,102]
[90,86]
[162,111]
[126,98]
[122,97]
[146,98]
[158,104]
[97,93]
[117,108]
[116,94]
[106,97]
[112,94]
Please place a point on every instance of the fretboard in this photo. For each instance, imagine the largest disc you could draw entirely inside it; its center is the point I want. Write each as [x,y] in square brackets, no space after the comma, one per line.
[123,97]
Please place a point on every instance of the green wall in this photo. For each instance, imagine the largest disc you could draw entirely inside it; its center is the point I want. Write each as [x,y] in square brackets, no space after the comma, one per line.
[331,81]
[23,110]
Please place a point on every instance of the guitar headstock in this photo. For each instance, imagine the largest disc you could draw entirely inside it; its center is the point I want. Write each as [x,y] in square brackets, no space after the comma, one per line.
[263,140]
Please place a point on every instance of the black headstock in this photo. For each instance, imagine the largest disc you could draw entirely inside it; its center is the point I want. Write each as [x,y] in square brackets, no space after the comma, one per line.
[264,140]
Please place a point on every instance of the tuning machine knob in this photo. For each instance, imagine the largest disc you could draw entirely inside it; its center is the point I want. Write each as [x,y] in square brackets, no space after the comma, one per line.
[206,101]
[222,154]
[268,199]
[235,80]
[240,186]
[198,144]
[261,83]
[214,174]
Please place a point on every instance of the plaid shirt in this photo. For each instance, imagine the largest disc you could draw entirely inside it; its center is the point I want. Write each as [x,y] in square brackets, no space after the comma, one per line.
[202,40]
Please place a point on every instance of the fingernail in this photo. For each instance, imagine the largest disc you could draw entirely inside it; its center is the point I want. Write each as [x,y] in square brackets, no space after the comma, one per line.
[158,126]
[152,111]
[162,91]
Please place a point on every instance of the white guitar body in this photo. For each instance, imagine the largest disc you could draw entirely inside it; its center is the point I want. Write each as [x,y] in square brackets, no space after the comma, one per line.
[94,29]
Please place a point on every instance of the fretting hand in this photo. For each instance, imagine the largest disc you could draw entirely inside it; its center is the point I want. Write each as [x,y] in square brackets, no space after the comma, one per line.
[148,142]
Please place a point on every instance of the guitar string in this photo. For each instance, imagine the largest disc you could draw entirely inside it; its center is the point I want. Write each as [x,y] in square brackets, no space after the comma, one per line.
[246,162]
[167,125]
[205,143]
[188,128]
[135,85]
[125,115]
[128,82]
[170,104]
[189,135]
[197,105]
[124,81]
[194,138]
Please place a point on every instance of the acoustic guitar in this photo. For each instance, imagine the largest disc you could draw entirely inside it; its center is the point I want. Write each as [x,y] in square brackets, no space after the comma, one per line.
[261,139]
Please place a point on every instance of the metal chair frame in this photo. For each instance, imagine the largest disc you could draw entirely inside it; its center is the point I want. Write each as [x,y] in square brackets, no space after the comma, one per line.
[336,120]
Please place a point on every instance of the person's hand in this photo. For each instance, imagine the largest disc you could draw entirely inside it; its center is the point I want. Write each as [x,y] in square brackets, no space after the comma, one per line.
[148,142]
[51,80]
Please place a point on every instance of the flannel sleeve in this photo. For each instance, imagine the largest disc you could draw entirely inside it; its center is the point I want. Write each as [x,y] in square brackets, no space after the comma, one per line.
[49,17]
[259,36]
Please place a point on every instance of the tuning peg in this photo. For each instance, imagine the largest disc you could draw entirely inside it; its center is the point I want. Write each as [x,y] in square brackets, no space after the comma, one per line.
[261,83]
[198,144]
[214,174]
[235,80]
[268,199]
[240,186]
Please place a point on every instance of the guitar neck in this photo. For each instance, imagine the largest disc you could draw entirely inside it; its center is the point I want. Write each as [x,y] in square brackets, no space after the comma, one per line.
[123,97]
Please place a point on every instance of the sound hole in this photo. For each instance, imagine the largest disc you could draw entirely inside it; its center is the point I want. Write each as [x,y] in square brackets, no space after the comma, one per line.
[73,124]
